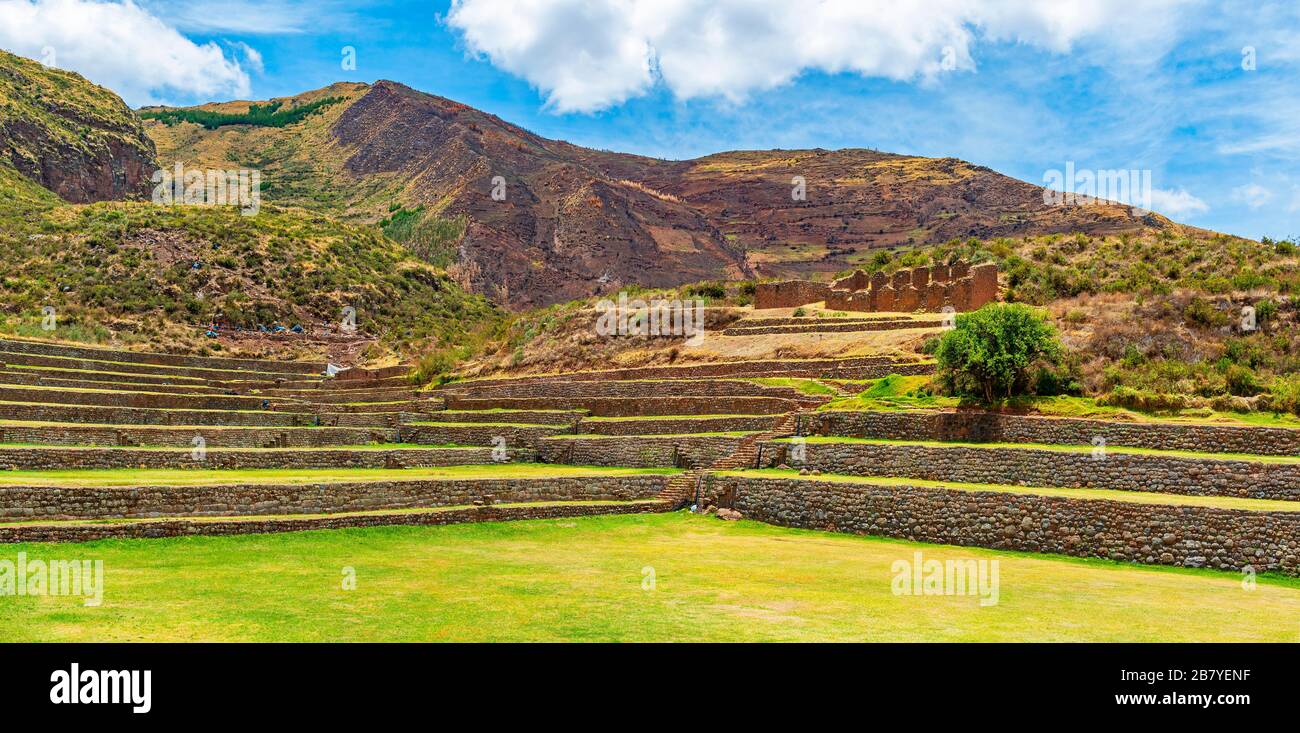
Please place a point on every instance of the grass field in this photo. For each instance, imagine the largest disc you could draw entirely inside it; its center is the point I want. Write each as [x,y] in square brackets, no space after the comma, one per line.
[583,579]
[193,476]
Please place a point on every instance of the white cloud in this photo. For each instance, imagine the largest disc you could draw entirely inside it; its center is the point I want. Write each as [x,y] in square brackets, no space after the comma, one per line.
[122,46]
[587,55]
[1252,195]
[1177,204]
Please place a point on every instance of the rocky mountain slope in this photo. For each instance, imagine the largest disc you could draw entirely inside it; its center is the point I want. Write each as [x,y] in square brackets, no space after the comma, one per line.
[569,221]
[72,137]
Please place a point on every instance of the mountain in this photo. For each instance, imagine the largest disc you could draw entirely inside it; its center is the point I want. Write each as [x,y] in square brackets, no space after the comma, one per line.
[575,221]
[71,137]
[132,272]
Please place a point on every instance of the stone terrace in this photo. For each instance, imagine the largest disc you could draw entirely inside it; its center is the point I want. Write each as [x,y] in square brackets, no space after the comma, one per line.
[221,446]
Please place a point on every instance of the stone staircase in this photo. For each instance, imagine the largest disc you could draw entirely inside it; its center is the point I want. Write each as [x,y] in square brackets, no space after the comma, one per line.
[684,488]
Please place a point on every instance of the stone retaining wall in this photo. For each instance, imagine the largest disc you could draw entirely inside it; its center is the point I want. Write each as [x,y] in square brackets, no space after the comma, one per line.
[533,417]
[1028,467]
[1145,533]
[676,451]
[55,458]
[826,325]
[121,398]
[986,427]
[142,357]
[847,368]
[630,407]
[628,389]
[103,415]
[181,527]
[485,435]
[224,437]
[97,365]
[658,426]
[141,502]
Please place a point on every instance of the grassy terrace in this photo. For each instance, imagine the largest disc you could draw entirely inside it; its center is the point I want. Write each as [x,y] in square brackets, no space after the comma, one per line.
[147,426]
[225,449]
[668,417]
[581,579]
[436,424]
[599,436]
[1132,497]
[201,477]
[307,517]
[1059,448]
[898,393]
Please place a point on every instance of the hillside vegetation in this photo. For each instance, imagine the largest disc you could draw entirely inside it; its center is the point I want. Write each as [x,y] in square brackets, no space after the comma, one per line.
[151,274]
[74,138]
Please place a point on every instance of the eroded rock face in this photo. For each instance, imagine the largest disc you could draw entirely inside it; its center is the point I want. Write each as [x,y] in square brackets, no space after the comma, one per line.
[74,138]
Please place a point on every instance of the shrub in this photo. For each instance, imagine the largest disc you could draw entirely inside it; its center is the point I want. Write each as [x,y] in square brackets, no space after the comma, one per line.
[1203,313]
[990,351]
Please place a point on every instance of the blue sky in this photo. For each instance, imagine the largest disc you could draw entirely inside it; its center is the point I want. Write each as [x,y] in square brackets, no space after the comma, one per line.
[1206,98]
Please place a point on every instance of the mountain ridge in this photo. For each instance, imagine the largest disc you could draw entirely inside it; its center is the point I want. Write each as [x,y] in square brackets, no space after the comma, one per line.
[575,222]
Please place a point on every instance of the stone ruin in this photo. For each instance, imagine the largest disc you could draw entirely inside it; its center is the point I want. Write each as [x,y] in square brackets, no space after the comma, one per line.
[929,289]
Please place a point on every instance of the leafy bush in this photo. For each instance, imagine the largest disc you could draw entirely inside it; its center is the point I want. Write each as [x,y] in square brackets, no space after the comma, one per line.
[990,351]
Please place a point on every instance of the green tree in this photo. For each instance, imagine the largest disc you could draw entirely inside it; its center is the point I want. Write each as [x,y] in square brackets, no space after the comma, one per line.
[990,351]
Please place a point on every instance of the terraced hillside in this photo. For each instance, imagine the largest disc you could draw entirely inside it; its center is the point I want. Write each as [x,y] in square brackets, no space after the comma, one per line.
[117,444]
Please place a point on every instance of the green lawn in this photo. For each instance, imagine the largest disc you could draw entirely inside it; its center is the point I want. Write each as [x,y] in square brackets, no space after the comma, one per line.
[195,477]
[582,579]
[1132,497]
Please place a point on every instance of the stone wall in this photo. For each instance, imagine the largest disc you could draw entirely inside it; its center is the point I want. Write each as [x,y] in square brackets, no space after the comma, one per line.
[54,458]
[674,451]
[1029,467]
[479,434]
[18,346]
[960,286]
[121,398]
[631,407]
[855,367]
[182,527]
[985,427]
[789,293]
[1126,531]
[105,415]
[158,435]
[639,389]
[138,502]
[532,417]
[658,426]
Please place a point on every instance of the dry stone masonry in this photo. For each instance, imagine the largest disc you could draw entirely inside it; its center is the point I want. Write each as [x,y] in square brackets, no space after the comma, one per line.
[959,286]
